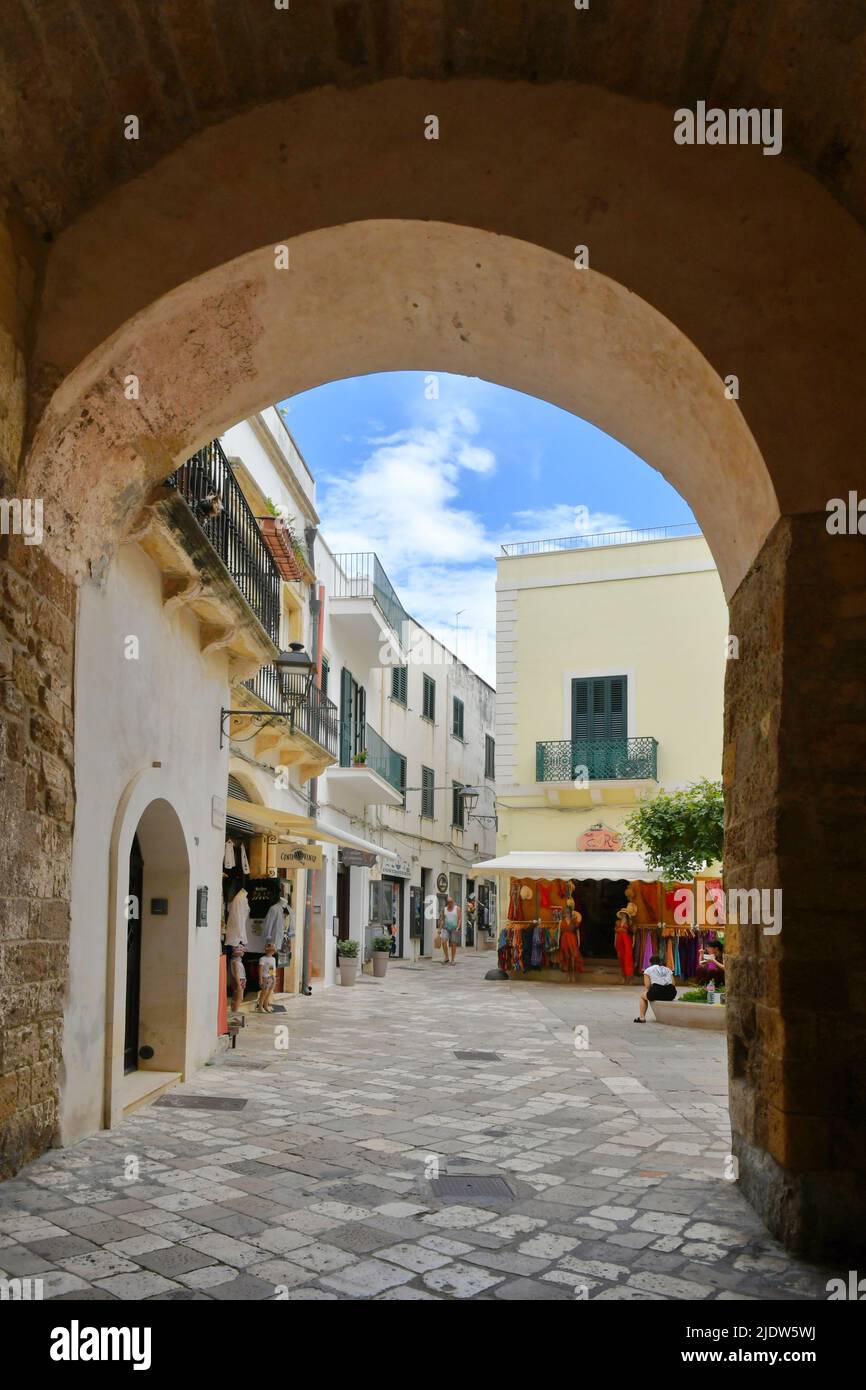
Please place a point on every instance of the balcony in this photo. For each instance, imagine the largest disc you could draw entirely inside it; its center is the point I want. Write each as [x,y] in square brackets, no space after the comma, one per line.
[208,486]
[577,761]
[379,781]
[365,602]
[310,743]
[200,533]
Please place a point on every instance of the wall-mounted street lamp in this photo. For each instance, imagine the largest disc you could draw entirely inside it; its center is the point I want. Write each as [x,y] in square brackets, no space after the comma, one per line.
[295,675]
[469,796]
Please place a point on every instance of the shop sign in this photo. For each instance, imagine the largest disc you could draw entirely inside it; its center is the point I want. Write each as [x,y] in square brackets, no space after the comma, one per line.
[357,858]
[299,857]
[397,868]
[599,837]
[442,883]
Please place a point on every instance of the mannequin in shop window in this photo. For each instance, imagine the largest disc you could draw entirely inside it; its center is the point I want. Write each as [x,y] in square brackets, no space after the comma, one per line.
[570,959]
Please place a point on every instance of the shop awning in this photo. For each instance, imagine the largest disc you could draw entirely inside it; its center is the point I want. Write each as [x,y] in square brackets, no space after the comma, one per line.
[570,864]
[273,822]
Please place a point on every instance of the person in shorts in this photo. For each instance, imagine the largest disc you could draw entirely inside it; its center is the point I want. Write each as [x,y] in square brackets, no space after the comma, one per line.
[658,984]
[267,978]
[450,929]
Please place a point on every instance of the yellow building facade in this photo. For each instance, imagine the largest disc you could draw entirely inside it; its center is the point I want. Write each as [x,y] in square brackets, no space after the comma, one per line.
[610,676]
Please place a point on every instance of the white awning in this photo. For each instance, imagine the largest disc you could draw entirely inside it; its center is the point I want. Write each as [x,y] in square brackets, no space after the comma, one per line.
[273,822]
[570,864]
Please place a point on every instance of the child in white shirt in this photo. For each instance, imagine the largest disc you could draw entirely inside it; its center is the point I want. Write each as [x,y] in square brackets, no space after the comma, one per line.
[267,978]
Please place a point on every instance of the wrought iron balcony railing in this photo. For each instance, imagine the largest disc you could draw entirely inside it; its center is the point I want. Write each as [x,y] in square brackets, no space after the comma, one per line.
[596,759]
[362,576]
[314,714]
[209,487]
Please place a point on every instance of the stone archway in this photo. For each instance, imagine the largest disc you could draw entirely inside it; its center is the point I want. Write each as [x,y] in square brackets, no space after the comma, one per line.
[640,345]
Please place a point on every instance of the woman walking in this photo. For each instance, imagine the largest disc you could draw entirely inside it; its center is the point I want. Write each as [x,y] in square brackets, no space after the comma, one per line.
[450,930]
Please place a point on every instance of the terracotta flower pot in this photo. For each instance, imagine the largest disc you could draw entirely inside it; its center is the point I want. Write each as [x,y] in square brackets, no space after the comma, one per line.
[380,963]
[348,969]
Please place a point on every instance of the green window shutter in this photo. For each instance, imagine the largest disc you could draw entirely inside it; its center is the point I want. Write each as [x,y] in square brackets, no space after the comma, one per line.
[346,719]
[400,683]
[427,792]
[456,804]
[599,707]
[402,774]
[489,756]
[457,718]
[429,705]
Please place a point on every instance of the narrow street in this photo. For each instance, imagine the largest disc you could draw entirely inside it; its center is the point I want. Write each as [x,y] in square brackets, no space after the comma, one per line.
[305,1173]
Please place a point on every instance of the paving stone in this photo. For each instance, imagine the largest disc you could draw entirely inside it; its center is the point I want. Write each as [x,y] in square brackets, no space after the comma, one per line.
[225,1249]
[416,1257]
[322,1258]
[460,1280]
[58,1248]
[135,1286]
[17,1261]
[174,1260]
[246,1287]
[366,1278]
[532,1290]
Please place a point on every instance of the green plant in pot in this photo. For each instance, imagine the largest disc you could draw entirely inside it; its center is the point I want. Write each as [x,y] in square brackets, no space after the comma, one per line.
[361,758]
[347,958]
[381,953]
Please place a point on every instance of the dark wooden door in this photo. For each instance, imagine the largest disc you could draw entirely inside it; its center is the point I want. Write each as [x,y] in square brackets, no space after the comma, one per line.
[133,957]
[343,903]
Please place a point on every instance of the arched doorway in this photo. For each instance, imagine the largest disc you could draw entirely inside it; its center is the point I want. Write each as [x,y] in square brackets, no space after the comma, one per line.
[640,348]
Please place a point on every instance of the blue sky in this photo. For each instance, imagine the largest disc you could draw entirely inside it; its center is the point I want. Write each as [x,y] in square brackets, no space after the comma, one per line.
[435,485]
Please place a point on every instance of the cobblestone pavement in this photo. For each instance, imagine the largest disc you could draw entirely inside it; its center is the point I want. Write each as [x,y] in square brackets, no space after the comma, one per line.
[313,1179]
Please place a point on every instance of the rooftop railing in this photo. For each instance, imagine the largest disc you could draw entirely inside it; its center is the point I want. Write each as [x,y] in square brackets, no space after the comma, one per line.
[586,540]
[361,575]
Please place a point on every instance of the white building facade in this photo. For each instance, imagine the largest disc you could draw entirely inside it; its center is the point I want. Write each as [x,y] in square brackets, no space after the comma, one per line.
[416,727]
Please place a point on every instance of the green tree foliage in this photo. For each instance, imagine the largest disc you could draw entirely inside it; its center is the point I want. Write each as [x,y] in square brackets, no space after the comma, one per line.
[679,833]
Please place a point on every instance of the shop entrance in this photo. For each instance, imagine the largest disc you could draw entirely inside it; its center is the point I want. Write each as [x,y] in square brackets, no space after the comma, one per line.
[135,897]
[598,902]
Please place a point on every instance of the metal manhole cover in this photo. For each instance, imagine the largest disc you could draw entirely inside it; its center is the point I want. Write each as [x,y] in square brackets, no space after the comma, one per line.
[478,1056]
[453,1187]
[201,1102]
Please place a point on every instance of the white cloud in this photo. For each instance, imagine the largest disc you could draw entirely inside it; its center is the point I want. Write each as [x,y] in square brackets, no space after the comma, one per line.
[402,501]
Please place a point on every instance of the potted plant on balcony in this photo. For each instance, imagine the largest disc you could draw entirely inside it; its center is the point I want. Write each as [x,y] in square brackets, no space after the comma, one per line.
[360,759]
[347,955]
[381,952]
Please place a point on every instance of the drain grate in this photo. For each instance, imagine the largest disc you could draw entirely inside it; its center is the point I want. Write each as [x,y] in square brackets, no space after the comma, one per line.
[201,1103]
[478,1056]
[454,1187]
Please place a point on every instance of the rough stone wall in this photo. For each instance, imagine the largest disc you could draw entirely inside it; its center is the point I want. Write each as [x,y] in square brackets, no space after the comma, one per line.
[70,72]
[795,746]
[36,637]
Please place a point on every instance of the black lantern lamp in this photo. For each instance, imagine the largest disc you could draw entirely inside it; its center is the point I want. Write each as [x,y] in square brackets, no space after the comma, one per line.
[295,670]
[469,797]
[295,676]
